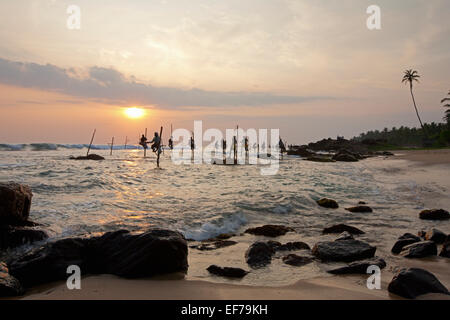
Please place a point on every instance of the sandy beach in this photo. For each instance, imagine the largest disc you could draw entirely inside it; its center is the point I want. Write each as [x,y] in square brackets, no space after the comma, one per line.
[426,166]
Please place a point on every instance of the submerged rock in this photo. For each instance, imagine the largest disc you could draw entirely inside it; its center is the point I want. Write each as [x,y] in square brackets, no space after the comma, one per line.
[227,271]
[339,228]
[359,267]
[269,230]
[15,203]
[361,209]
[11,237]
[343,250]
[328,203]
[296,260]
[92,156]
[259,254]
[435,235]
[419,250]
[412,282]
[434,214]
[9,286]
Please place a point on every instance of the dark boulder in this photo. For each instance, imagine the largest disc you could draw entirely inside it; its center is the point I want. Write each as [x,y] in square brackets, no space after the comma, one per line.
[92,156]
[296,260]
[345,157]
[213,245]
[345,236]
[361,209]
[434,214]
[412,282]
[339,228]
[400,244]
[435,235]
[269,230]
[11,237]
[15,203]
[445,251]
[292,246]
[328,203]
[343,250]
[359,267]
[9,286]
[409,236]
[227,271]
[420,250]
[259,254]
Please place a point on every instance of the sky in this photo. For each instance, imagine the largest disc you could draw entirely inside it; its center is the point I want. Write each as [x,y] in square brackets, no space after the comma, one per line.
[309,68]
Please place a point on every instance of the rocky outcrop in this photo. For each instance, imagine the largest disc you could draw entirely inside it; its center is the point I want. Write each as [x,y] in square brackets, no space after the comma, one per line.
[259,254]
[328,203]
[360,209]
[359,267]
[343,250]
[296,260]
[301,151]
[9,286]
[121,253]
[227,272]
[434,214]
[15,203]
[339,228]
[413,282]
[11,237]
[435,235]
[269,230]
[92,156]
[320,159]
[420,250]
[345,156]
[333,145]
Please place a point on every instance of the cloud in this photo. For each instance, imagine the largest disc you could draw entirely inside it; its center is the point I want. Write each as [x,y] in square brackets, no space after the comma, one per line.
[110,85]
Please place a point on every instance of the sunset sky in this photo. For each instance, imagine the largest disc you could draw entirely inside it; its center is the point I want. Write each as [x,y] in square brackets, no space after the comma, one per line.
[310,68]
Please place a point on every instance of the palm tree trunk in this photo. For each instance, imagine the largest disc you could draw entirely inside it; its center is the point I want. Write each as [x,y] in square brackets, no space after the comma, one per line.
[417,112]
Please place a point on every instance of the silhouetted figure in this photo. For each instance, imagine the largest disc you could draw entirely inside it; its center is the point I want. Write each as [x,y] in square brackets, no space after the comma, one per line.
[156,142]
[170,143]
[143,142]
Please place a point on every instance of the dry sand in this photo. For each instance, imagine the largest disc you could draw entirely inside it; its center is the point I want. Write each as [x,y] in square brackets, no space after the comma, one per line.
[334,287]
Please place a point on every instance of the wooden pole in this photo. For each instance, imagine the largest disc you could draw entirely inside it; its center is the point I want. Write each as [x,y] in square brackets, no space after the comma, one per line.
[90,144]
[126,141]
[112,144]
[158,152]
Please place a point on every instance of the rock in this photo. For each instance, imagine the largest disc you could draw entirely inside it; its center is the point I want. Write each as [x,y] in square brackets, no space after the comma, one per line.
[412,282]
[400,244]
[359,267]
[345,157]
[227,271]
[328,203]
[445,251]
[320,159]
[339,228]
[419,250]
[269,230]
[11,237]
[362,202]
[434,214]
[92,156]
[436,236]
[15,203]
[259,254]
[223,236]
[9,286]
[409,236]
[120,253]
[343,250]
[362,209]
[214,245]
[344,236]
[292,246]
[295,260]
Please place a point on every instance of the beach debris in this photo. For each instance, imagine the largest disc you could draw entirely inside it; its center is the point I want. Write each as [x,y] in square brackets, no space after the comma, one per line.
[13,236]
[419,250]
[412,282]
[434,214]
[296,260]
[343,250]
[403,242]
[290,246]
[91,156]
[121,253]
[328,203]
[259,254]
[445,251]
[360,209]
[339,228]
[344,236]
[269,230]
[213,245]
[359,267]
[9,286]
[227,272]
[15,203]
[435,235]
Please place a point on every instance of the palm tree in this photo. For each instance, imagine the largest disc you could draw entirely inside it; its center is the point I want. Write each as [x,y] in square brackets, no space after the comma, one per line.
[447,112]
[409,77]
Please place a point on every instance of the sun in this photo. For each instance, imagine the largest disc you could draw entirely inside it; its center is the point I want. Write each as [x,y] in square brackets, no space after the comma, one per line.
[134,112]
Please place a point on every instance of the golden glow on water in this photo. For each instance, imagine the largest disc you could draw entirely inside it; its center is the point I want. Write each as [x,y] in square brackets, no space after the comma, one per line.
[135,112]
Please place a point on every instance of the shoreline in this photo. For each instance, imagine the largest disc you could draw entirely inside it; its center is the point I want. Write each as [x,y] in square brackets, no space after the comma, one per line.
[424,157]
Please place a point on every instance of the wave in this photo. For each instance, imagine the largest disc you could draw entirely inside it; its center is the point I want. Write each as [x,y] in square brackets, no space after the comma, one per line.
[211,229]
[54,147]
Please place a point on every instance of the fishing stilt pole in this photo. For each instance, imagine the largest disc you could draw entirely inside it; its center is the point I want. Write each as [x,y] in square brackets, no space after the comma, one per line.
[90,144]
[112,144]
